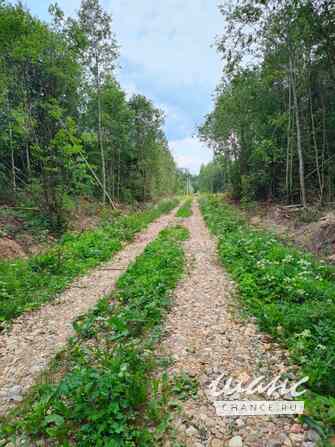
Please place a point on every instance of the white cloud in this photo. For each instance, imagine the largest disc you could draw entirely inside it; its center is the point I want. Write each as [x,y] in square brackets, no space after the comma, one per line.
[190,153]
[171,39]
[167,54]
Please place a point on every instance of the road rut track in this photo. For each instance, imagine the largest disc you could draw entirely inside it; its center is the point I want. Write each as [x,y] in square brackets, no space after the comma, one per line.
[206,337]
[36,337]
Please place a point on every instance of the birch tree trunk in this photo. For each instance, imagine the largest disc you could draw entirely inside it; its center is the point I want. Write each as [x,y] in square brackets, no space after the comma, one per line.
[299,141]
[12,156]
[101,146]
[316,149]
[288,151]
[118,173]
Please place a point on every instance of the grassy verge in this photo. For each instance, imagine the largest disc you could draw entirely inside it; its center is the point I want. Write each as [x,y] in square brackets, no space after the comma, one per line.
[185,210]
[26,284]
[107,395]
[291,294]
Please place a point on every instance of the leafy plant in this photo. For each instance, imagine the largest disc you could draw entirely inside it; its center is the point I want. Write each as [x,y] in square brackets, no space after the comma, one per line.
[185,386]
[291,294]
[185,210]
[103,397]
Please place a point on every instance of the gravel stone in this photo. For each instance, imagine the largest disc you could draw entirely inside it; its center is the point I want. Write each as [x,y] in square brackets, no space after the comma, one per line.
[217,443]
[296,437]
[192,431]
[236,441]
[274,443]
[312,435]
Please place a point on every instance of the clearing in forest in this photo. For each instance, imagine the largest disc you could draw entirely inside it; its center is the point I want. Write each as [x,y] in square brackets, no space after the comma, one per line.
[205,336]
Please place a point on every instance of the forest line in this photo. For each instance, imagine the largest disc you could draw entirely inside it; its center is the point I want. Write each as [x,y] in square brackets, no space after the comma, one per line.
[272,126]
[67,128]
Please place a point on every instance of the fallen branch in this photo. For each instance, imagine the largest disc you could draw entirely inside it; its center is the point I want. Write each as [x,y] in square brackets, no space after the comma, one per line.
[98,180]
[298,205]
[19,208]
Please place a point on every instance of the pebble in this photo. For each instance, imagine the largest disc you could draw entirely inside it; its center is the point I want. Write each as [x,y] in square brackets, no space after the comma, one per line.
[312,435]
[192,431]
[240,423]
[296,437]
[253,437]
[274,443]
[15,394]
[217,443]
[296,428]
[285,439]
[236,441]
[207,421]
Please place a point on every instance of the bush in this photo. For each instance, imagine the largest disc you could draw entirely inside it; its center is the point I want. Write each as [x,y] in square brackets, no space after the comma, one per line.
[185,210]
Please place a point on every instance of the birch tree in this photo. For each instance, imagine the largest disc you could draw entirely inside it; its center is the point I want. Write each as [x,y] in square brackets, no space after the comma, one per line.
[99,58]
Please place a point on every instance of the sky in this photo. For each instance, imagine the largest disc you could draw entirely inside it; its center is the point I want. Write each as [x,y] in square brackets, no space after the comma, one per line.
[167,53]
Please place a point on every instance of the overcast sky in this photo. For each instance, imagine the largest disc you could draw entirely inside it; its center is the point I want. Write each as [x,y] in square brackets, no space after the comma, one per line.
[167,54]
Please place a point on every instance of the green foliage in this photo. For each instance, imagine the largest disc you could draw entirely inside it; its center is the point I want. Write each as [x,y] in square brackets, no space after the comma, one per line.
[290,293]
[186,209]
[185,387]
[240,130]
[153,171]
[26,284]
[273,114]
[67,129]
[212,177]
[103,398]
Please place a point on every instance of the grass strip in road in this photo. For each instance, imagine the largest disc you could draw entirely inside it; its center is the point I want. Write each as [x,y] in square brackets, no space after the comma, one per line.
[185,210]
[290,292]
[26,284]
[107,396]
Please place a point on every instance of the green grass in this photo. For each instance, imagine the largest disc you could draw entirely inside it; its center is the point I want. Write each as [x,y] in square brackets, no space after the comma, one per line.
[290,292]
[185,210]
[107,395]
[27,284]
